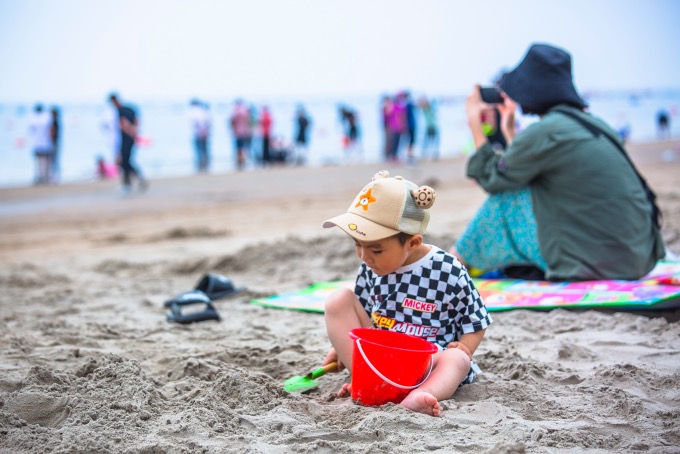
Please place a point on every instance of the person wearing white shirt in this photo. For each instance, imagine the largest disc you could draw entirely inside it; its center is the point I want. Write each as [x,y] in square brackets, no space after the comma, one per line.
[39,129]
[199,118]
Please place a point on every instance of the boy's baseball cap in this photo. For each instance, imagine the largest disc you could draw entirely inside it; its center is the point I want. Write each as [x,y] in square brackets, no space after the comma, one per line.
[385,207]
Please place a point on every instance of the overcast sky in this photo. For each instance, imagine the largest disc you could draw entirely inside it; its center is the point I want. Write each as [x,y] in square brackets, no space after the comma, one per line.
[65,50]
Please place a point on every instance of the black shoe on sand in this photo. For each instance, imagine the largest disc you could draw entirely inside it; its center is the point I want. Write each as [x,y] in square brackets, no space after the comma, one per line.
[216,286]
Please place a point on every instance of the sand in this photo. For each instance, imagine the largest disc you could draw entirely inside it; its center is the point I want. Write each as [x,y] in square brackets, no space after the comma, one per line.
[89,363]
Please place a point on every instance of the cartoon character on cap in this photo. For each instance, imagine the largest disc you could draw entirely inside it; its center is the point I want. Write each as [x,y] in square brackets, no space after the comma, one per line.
[386,207]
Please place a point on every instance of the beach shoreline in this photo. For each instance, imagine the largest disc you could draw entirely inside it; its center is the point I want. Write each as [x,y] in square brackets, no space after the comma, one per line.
[89,362]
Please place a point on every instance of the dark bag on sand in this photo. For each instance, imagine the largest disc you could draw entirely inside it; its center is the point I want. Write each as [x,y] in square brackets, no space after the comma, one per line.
[597,131]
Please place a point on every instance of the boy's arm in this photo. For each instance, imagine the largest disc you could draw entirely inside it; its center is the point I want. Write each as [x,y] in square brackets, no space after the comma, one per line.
[469,342]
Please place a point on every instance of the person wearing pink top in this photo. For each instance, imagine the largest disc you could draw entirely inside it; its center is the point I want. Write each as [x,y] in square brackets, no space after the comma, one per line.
[266,124]
[396,124]
[242,131]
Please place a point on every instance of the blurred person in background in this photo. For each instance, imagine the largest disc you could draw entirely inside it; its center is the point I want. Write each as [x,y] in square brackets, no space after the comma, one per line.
[105,170]
[663,124]
[396,125]
[129,127]
[111,128]
[431,138]
[240,123]
[624,129]
[40,127]
[410,117]
[199,116]
[266,124]
[302,124]
[386,106]
[55,135]
[110,125]
[350,139]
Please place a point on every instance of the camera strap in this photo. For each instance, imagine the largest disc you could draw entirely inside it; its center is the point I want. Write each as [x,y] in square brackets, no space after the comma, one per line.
[597,132]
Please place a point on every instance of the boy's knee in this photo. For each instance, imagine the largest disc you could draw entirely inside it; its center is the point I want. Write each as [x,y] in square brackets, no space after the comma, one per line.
[339,300]
[457,358]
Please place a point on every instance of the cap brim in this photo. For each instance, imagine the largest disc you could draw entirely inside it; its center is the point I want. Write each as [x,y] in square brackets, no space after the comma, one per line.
[360,228]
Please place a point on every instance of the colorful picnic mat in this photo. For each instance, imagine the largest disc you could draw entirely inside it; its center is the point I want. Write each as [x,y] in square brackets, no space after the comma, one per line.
[659,290]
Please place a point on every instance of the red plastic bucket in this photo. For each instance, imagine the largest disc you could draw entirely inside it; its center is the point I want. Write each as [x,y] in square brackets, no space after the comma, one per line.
[387,365]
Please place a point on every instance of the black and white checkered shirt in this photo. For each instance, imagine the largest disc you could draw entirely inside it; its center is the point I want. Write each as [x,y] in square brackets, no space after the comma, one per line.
[433,298]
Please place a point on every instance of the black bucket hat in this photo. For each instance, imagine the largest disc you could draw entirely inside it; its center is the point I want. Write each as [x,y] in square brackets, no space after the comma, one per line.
[542,80]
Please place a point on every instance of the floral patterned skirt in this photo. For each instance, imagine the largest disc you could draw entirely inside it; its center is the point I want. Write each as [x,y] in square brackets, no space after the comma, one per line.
[502,233]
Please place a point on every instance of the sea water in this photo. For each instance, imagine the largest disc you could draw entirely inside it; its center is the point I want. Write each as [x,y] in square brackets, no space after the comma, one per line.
[166,147]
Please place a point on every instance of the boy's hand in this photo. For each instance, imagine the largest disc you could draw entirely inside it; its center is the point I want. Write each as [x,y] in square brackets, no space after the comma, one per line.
[333,356]
[461,346]
[469,342]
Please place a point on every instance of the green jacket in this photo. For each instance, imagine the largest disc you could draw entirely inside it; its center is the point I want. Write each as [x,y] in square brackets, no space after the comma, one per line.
[592,214]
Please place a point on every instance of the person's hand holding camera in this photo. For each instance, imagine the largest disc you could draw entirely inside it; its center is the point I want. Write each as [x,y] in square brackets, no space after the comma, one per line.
[507,110]
[474,107]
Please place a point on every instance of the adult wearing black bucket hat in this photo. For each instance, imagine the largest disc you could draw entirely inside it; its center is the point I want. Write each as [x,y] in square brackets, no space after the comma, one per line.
[542,80]
[564,201]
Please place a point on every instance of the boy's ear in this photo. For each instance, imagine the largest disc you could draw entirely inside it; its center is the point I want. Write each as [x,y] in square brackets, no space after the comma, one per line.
[416,240]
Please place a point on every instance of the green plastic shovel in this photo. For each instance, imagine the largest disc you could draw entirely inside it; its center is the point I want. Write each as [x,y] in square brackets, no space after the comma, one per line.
[304,383]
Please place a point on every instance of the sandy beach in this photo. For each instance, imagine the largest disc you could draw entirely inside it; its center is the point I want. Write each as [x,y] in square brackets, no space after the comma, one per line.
[90,364]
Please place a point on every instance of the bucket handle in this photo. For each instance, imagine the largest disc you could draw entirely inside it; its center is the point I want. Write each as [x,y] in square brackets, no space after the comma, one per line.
[397,385]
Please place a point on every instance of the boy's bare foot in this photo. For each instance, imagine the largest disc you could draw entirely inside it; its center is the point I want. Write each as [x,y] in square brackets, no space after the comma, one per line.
[422,402]
[345,391]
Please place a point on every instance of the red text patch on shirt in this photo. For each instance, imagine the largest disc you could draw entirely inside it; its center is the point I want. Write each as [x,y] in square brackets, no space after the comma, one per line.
[418,305]
[416,330]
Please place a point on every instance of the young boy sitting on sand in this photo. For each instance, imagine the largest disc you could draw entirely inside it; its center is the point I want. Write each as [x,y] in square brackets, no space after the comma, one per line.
[399,272]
